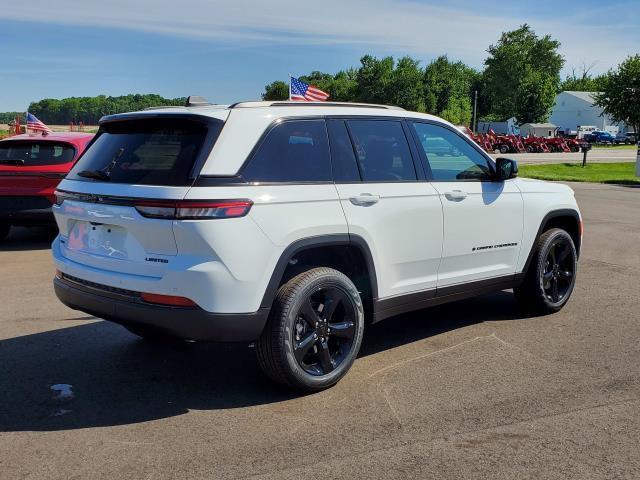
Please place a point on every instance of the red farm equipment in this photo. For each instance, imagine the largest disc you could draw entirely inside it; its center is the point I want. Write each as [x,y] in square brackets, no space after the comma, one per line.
[485,140]
[535,145]
[573,144]
[556,144]
[509,144]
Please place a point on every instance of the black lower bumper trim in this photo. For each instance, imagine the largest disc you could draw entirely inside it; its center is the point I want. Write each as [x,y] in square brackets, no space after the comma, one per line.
[186,323]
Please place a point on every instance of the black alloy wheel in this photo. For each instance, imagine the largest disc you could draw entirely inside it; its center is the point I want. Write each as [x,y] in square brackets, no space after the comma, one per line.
[559,270]
[324,330]
[551,276]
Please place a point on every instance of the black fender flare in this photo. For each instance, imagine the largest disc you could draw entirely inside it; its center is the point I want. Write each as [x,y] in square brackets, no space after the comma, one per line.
[329,240]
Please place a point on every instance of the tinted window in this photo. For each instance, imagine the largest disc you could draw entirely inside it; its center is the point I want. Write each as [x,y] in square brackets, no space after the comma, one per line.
[449,155]
[382,151]
[294,151]
[35,153]
[145,152]
[343,158]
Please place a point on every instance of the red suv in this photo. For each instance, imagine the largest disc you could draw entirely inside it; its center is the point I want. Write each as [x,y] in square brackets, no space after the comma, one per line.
[31,166]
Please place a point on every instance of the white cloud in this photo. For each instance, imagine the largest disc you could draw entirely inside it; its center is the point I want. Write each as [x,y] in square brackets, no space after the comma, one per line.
[384,25]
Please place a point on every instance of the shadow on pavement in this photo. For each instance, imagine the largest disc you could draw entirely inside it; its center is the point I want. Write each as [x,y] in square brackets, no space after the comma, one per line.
[118,379]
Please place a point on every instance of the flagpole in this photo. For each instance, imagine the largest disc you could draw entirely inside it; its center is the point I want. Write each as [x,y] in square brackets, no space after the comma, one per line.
[289,87]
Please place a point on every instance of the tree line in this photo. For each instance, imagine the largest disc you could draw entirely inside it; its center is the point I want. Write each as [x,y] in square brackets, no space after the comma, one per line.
[90,109]
[520,78]
[6,117]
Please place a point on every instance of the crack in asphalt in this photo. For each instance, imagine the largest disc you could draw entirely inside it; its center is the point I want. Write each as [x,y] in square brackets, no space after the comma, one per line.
[447,438]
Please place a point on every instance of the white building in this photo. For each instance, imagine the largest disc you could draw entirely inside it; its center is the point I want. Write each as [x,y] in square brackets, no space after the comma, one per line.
[574,109]
[546,130]
[508,127]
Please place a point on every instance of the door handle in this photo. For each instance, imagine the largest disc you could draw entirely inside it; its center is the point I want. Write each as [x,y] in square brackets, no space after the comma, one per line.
[364,199]
[456,195]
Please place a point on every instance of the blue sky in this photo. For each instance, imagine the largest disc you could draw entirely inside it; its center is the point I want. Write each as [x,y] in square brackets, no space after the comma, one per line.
[228,51]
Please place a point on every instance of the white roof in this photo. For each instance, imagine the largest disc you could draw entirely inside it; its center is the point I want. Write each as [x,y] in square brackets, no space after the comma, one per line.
[586,96]
[539,125]
[248,120]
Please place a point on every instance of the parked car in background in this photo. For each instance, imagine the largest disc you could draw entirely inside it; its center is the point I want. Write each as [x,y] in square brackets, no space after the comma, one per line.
[31,166]
[628,138]
[600,137]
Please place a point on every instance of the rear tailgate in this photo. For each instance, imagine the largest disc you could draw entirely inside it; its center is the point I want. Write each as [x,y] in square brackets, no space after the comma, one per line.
[106,232]
[133,160]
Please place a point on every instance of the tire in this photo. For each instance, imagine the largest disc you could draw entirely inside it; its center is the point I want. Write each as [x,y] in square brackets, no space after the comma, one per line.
[300,347]
[504,149]
[554,263]
[4,231]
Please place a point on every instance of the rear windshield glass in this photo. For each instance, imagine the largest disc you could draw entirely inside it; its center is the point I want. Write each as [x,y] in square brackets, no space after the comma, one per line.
[35,153]
[145,152]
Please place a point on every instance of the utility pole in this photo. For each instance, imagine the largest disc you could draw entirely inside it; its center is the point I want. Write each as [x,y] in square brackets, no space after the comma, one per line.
[475,112]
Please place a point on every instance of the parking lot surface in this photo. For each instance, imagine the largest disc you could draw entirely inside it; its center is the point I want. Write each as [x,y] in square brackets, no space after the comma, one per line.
[475,389]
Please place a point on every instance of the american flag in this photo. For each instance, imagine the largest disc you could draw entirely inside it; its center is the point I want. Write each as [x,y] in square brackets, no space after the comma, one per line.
[36,125]
[304,92]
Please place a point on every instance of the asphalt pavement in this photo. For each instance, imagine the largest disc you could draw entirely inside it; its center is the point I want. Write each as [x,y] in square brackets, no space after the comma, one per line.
[475,389]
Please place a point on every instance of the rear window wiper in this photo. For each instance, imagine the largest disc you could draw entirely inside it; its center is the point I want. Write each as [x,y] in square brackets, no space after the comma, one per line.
[13,161]
[95,174]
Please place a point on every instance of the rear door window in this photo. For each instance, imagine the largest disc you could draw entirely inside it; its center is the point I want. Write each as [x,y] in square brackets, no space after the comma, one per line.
[383,151]
[33,153]
[159,151]
[293,151]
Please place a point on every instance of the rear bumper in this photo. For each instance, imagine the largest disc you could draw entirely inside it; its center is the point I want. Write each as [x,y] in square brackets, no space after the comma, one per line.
[24,210]
[186,323]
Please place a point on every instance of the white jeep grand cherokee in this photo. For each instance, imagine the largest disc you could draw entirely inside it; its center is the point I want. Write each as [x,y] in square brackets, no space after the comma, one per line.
[295,224]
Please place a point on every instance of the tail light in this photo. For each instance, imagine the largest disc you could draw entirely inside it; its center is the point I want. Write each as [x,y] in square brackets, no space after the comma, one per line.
[193,209]
[59,197]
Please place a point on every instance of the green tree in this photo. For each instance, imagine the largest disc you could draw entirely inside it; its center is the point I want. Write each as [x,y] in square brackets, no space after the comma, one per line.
[583,82]
[620,96]
[374,78]
[277,90]
[520,65]
[344,86]
[448,90]
[405,89]
[532,104]
[6,117]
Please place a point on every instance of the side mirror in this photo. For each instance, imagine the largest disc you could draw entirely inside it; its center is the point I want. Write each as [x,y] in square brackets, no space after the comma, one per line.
[506,169]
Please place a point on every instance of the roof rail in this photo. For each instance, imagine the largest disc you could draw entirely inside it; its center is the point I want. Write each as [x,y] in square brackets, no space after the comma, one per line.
[285,103]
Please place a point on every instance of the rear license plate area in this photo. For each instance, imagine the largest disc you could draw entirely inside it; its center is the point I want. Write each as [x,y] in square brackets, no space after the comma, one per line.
[98,239]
